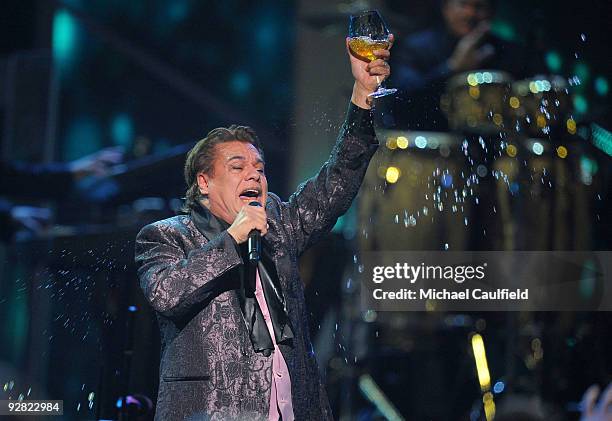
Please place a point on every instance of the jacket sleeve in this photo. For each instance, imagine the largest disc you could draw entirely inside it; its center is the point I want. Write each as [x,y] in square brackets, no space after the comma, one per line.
[176,283]
[318,202]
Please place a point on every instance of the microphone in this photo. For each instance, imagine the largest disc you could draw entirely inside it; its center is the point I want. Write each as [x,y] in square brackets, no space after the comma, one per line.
[254,241]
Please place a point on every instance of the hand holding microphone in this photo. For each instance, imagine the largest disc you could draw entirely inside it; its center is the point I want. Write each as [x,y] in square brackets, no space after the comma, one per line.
[254,244]
[251,220]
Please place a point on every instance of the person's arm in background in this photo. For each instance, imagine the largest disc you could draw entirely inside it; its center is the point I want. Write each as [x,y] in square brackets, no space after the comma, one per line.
[425,61]
[53,180]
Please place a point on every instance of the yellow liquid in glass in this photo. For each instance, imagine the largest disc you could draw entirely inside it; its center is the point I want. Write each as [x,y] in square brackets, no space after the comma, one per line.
[365,46]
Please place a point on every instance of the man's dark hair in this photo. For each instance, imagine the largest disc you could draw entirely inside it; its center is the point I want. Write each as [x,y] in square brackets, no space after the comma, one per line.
[201,157]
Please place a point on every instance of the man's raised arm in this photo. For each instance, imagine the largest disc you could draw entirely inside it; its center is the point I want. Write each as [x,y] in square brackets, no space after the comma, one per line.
[316,205]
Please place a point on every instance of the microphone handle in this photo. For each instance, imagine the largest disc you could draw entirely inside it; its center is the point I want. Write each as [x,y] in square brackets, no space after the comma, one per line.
[254,242]
[254,246]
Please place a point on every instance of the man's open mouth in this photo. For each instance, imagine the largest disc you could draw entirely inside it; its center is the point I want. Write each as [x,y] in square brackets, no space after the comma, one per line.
[249,195]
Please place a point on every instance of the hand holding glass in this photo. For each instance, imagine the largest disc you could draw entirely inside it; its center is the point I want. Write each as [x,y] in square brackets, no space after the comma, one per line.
[368,33]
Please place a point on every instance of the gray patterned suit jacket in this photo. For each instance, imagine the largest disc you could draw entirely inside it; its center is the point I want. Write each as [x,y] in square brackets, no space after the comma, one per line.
[208,368]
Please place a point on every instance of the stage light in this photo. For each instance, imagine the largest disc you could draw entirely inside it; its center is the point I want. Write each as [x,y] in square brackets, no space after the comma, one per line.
[392,175]
[482,367]
[122,130]
[602,138]
[553,61]
[474,92]
[511,150]
[267,35]
[504,30]
[499,387]
[402,142]
[562,151]
[447,180]
[471,79]
[539,85]
[177,10]
[481,170]
[64,38]
[582,71]
[514,102]
[581,104]
[601,86]
[571,125]
[514,187]
[497,119]
[541,121]
[375,395]
[537,148]
[240,83]
[391,143]
[420,142]
[489,406]
[83,136]
[588,168]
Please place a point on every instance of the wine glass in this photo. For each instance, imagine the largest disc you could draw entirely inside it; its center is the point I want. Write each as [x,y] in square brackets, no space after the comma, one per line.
[367,33]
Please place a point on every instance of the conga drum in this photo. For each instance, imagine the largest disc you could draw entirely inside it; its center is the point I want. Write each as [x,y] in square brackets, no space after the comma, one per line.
[541,106]
[413,196]
[476,102]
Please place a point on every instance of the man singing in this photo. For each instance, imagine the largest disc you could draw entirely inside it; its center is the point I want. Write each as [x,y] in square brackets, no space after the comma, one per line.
[234,334]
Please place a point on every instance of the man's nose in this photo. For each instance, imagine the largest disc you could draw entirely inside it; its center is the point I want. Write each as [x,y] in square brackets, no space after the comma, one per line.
[253,174]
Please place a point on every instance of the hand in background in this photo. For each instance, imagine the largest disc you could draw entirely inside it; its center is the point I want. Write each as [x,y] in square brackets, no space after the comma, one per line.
[32,218]
[97,164]
[593,410]
[469,54]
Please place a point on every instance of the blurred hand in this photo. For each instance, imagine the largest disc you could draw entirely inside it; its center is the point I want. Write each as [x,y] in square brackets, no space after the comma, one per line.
[248,219]
[368,74]
[97,164]
[32,218]
[468,54]
[597,411]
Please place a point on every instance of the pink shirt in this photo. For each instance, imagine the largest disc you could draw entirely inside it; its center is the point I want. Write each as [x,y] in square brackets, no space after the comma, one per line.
[280,396]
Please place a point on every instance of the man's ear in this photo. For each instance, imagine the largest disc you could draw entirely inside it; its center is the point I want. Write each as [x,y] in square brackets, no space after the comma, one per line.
[203,181]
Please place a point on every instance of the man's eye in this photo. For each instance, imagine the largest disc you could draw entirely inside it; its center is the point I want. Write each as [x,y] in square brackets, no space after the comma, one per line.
[237,168]
[261,171]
